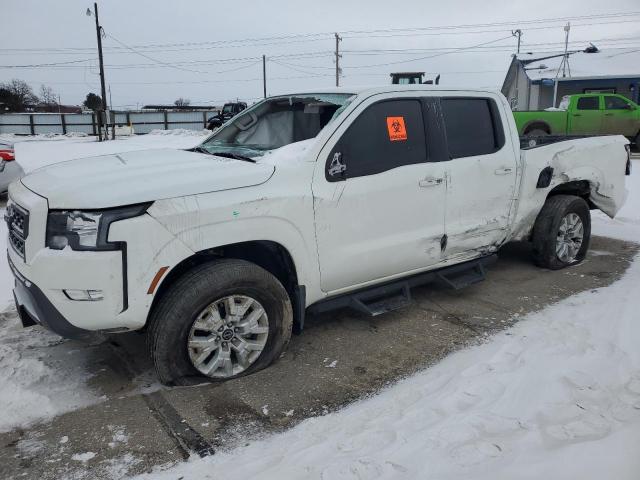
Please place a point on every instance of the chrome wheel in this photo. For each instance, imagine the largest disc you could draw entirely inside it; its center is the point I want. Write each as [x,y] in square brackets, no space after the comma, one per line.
[228,336]
[570,238]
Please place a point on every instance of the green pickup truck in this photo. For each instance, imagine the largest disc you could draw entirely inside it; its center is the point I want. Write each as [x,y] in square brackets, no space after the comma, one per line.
[587,114]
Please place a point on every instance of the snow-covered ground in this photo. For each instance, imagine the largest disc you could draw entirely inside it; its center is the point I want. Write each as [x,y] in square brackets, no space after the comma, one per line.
[557,396]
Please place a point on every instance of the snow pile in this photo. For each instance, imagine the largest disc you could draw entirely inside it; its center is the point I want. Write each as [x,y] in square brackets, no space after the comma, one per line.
[39,376]
[14,138]
[556,396]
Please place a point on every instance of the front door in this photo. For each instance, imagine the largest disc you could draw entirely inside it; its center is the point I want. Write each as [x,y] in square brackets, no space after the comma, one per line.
[620,116]
[481,176]
[379,203]
[586,117]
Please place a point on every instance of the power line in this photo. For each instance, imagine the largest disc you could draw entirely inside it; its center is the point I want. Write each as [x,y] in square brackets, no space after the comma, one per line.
[353,33]
[48,64]
[151,58]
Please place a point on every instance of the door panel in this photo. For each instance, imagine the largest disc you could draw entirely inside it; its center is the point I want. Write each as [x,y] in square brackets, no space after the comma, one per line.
[377,226]
[586,117]
[481,176]
[380,212]
[620,117]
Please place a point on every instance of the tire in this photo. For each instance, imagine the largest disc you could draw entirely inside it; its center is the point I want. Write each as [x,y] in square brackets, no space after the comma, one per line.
[547,231]
[171,321]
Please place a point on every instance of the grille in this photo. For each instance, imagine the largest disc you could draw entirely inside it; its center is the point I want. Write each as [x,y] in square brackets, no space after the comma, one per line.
[17,219]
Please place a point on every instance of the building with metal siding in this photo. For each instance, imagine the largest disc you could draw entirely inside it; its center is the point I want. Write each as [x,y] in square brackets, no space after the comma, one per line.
[539,81]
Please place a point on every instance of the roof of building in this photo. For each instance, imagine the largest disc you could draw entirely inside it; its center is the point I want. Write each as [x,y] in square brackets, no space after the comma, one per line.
[613,63]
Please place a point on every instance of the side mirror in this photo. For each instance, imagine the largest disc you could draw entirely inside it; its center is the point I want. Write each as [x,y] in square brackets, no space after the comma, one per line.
[630,107]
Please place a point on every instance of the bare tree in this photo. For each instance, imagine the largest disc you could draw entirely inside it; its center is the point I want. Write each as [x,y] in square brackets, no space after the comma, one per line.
[17,95]
[48,96]
[182,102]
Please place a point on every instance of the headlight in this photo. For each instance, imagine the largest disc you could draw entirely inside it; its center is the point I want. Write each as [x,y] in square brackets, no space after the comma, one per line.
[86,230]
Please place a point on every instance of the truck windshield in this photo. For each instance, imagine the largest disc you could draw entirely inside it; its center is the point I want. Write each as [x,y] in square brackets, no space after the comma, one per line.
[276,122]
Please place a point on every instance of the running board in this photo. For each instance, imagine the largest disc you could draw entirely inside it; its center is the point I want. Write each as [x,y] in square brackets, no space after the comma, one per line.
[394,295]
[460,280]
[381,300]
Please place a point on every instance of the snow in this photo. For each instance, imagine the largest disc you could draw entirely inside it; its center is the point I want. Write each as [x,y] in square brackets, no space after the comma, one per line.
[83,457]
[556,396]
[40,378]
[617,63]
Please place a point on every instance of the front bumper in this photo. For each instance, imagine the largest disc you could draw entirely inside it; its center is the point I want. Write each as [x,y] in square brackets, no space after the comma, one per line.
[122,276]
[34,307]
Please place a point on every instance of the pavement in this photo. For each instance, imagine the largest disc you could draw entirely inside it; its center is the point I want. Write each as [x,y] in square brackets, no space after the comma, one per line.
[340,357]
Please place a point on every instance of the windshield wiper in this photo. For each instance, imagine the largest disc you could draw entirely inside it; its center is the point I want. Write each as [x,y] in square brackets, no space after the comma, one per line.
[199,150]
[235,156]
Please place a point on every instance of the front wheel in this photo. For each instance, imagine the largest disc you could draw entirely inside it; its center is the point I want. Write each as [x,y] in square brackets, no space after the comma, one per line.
[562,232]
[219,321]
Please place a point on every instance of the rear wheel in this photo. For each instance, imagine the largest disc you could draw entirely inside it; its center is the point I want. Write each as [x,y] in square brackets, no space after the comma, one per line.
[219,321]
[562,232]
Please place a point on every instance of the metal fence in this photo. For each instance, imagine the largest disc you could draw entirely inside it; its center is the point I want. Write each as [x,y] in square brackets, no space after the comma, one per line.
[63,123]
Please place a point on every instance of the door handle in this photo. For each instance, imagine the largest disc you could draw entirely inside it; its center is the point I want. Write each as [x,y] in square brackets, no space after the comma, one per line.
[503,171]
[430,182]
[577,114]
[608,114]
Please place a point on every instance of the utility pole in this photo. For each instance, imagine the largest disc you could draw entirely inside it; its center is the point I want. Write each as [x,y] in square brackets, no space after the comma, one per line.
[113,116]
[517,33]
[264,75]
[565,59]
[102,82]
[338,59]
[515,106]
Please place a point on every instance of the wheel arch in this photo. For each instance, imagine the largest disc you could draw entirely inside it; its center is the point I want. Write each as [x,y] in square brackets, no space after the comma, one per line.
[579,188]
[270,255]
[536,125]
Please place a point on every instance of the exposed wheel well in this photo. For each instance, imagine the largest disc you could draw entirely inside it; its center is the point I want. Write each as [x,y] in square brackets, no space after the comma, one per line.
[579,188]
[537,126]
[271,256]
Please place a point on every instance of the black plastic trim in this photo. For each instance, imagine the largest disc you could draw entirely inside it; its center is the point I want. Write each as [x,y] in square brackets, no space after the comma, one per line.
[34,306]
[350,299]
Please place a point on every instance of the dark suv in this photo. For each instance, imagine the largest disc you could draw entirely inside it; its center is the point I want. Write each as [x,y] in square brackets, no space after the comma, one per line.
[228,111]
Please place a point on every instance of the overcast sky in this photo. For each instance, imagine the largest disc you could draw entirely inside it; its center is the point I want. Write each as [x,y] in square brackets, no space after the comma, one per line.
[203,49]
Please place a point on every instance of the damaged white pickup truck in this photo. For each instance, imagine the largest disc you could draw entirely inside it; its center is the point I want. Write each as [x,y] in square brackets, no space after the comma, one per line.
[299,204]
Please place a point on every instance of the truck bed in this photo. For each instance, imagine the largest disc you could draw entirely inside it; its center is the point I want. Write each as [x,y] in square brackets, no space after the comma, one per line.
[528,142]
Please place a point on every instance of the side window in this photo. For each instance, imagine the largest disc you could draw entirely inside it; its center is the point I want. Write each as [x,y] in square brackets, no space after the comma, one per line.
[472,125]
[615,103]
[387,135]
[588,103]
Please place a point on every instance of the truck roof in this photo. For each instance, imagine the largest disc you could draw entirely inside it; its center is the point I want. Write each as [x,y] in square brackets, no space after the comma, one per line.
[372,90]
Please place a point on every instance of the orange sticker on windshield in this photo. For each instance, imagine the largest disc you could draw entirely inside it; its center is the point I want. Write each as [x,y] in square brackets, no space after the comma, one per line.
[396,128]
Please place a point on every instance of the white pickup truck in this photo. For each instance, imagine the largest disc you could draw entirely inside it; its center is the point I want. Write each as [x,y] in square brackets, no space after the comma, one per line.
[302,203]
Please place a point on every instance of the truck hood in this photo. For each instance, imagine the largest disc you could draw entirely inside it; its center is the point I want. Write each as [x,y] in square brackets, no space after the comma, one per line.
[134,177]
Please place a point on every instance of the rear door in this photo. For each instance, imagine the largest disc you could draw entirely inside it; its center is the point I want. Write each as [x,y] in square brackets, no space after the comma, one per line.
[586,116]
[620,116]
[481,175]
[379,202]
